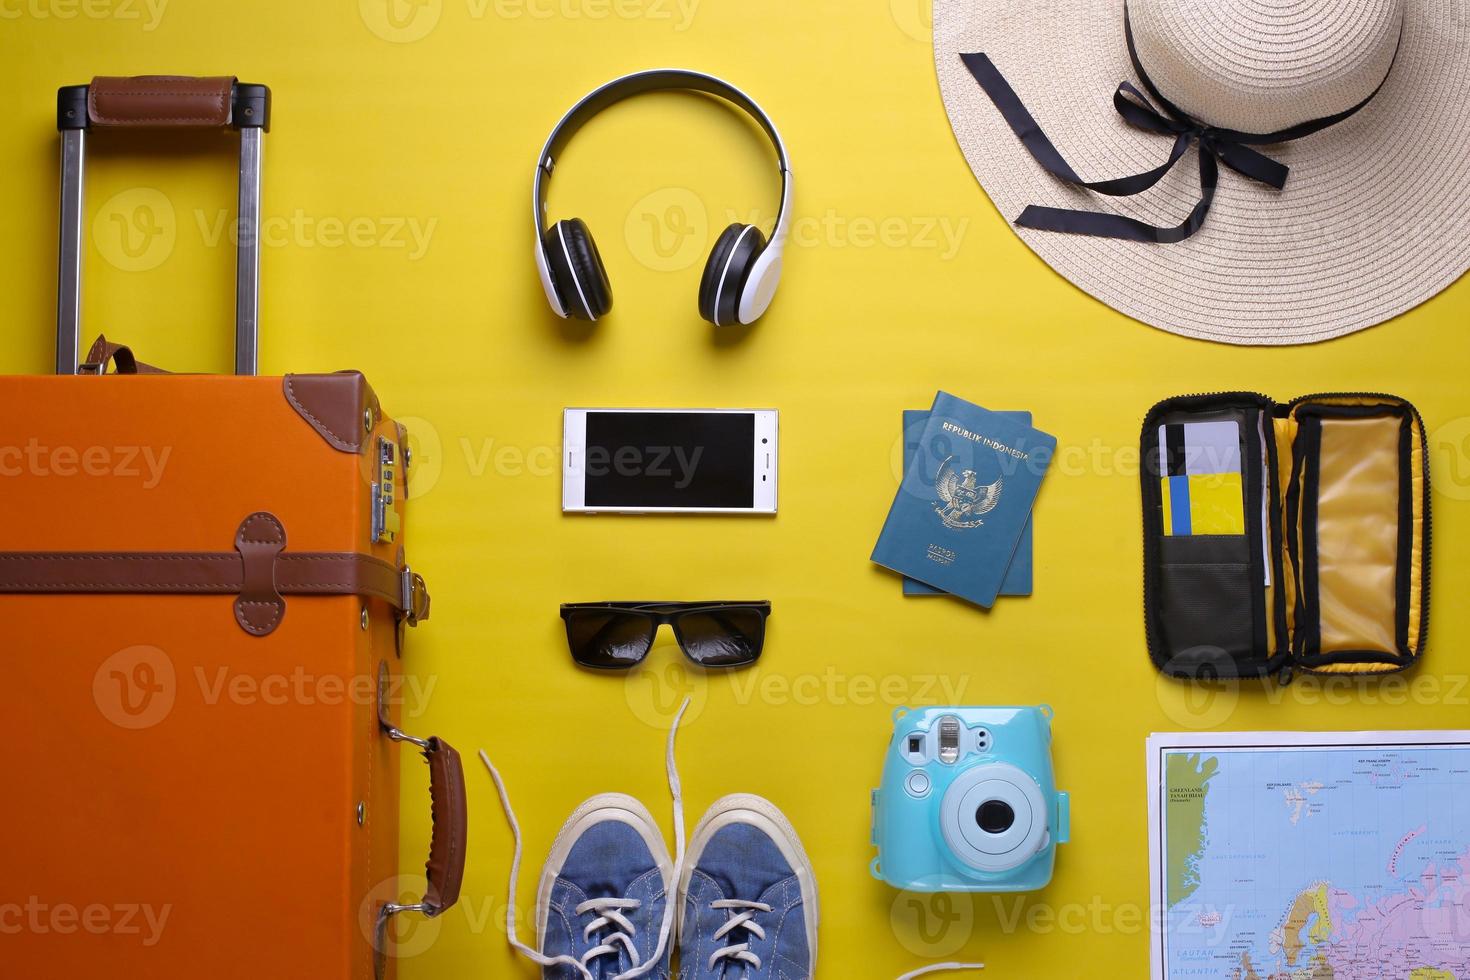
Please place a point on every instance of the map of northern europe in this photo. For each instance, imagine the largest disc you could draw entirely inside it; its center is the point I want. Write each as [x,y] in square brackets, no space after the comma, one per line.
[1332,863]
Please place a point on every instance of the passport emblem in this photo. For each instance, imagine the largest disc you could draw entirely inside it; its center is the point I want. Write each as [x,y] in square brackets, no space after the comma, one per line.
[962,502]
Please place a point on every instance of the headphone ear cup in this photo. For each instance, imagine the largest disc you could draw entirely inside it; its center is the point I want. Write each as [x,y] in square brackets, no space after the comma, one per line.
[576,270]
[726,272]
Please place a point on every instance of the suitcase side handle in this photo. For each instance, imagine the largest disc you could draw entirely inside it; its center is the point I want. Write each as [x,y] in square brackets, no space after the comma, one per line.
[446,864]
[445,867]
[160,102]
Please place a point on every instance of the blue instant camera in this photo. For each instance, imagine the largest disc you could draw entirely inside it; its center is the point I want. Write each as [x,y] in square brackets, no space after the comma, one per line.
[969,802]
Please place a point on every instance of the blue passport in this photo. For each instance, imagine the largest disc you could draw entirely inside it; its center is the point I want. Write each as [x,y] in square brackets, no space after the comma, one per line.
[962,507]
[1018,579]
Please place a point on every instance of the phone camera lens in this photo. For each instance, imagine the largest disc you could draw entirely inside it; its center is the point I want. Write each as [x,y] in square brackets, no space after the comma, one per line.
[995,816]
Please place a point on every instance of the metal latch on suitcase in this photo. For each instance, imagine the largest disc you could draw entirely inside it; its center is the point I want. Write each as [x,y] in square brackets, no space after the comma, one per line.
[415,604]
[160,102]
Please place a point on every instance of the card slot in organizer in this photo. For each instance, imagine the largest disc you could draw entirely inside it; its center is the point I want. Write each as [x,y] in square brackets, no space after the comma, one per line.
[1206,604]
[1355,584]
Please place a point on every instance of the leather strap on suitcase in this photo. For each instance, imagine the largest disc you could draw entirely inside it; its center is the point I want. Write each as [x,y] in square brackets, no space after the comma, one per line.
[260,573]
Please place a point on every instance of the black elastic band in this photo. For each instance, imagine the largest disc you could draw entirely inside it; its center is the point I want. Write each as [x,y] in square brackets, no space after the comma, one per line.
[1309,628]
[1251,469]
[1402,575]
[1228,146]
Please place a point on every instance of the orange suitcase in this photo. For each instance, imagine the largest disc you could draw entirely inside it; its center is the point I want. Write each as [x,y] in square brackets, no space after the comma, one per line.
[205,595]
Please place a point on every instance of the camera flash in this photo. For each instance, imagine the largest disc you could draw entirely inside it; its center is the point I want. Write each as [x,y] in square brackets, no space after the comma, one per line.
[949,740]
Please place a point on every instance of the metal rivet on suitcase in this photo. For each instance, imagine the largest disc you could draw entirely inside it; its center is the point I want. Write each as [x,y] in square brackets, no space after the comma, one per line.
[367,420]
[361,812]
[364,617]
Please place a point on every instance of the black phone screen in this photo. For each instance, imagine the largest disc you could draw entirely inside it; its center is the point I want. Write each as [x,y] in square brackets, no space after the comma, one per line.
[670,459]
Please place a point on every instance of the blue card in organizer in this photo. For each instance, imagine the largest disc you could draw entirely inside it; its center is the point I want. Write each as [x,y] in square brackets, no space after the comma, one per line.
[1018,576]
[1201,482]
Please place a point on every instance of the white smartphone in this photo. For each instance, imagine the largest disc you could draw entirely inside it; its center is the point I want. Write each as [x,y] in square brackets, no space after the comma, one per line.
[669,461]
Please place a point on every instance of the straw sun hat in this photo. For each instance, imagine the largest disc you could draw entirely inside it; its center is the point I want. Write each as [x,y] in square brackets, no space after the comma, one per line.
[1336,134]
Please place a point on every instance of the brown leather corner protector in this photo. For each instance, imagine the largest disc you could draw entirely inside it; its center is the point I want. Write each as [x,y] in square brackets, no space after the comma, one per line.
[160,100]
[259,607]
[334,405]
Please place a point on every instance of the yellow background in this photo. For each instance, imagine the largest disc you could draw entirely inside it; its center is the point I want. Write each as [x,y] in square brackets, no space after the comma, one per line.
[433,121]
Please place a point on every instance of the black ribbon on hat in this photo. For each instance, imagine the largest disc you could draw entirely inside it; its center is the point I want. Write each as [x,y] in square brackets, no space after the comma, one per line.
[1216,146]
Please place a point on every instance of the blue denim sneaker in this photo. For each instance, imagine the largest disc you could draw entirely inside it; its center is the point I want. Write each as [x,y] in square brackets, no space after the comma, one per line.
[749,908]
[603,894]
[604,910]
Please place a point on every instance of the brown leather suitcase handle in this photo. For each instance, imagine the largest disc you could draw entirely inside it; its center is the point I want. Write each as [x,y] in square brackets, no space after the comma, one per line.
[445,869]
[161,101]
[447,844]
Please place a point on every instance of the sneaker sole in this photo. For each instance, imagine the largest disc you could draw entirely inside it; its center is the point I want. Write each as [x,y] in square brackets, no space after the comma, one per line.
[762,813]
[607,806]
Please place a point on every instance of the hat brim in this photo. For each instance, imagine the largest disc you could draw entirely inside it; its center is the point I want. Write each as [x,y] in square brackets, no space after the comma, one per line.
[1374,220]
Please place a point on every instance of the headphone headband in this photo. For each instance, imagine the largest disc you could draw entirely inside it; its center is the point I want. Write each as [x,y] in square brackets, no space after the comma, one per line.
[655,80]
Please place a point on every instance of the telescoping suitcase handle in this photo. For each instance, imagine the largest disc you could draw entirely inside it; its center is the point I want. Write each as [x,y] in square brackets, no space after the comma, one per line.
[160,102]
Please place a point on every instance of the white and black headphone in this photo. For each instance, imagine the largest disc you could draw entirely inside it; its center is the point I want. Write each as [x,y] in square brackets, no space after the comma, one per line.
[743,271]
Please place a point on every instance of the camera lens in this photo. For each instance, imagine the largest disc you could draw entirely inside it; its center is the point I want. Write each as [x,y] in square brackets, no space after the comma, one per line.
[995,816]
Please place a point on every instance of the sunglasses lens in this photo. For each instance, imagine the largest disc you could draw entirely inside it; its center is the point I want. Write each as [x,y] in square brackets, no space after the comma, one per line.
[722,637]
[603,639]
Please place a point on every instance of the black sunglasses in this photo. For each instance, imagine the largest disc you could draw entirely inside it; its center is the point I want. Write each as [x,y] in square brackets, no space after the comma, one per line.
[614,635]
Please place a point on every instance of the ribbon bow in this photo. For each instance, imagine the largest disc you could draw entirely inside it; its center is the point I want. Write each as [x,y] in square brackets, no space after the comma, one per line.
[1216,145]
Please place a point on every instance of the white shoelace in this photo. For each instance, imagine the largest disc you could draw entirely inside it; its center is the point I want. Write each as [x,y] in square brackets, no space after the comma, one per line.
[941,968]
[745,921]
[609,911]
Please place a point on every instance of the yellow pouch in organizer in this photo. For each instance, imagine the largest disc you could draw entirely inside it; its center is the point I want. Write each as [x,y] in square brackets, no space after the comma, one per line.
[1323,569]
[1361,514]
